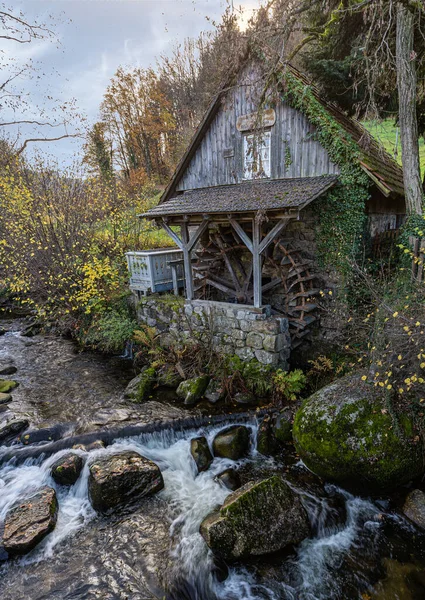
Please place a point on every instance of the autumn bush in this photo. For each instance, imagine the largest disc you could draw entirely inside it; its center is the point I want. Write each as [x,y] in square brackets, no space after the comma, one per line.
[63,240]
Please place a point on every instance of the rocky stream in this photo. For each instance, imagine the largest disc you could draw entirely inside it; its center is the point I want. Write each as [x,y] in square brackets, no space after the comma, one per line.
[310,540]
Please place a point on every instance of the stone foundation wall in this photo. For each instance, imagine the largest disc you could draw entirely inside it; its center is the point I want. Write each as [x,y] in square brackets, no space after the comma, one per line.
[231,328]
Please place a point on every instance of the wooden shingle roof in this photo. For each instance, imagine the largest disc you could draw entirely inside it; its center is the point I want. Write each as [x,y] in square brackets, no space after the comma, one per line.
[252,196]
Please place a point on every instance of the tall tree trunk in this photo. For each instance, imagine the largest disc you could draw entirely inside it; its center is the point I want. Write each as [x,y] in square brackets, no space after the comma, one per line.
[406,81]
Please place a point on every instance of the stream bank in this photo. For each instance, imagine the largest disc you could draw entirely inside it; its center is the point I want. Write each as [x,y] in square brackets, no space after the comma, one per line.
[358,548]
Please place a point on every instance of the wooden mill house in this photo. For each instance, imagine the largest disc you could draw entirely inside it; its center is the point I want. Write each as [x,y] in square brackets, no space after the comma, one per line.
[241,209]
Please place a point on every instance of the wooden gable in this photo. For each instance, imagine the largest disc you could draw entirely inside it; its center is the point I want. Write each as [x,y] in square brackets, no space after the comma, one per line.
[218,158]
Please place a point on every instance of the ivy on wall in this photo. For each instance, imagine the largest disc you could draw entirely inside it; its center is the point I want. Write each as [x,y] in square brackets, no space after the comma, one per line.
[341,213]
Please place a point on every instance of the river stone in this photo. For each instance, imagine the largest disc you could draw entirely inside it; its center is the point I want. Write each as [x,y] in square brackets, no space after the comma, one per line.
[245,398]
[115,479]
[414,508]
[345,433]
[66,470]
[2,330]
[12,429]
[193,390]
[7,369]
[27,523]
[274,431]
[232,442]
[283,426]
[230,479]
[259,518]
[140,388]
[200,452]
[5,398]
[7,385]
[214,392]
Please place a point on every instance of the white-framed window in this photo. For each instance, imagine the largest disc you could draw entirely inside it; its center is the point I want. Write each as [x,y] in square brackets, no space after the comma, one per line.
[256,155]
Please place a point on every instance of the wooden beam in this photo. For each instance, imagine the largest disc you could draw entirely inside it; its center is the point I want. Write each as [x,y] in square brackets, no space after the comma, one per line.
[195,237]
[241,233]
[172,234]
[186,261]
[256,261]
[265,243]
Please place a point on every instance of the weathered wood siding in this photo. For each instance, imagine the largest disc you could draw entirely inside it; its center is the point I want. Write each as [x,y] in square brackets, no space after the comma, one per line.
[219,159]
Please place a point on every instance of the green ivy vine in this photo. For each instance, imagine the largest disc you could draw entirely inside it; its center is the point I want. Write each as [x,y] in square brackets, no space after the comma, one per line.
[341,213]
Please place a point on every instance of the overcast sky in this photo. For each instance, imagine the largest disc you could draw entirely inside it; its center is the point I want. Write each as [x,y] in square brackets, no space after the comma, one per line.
[97,36]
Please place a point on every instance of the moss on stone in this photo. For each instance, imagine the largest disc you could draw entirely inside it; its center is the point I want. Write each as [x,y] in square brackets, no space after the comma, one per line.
[146,384]
[7,385]
[345,433]
[192,390]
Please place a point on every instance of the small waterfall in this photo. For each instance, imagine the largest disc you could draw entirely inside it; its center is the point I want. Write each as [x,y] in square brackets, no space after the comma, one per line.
[340,521]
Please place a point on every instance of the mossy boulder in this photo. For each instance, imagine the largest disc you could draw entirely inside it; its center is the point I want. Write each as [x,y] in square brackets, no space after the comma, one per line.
[193,390]
[347,433]
[232,442]
[201,453]
[5,398]
[257,519]
[66,470]
[282,427]
[140,388]
[7,385]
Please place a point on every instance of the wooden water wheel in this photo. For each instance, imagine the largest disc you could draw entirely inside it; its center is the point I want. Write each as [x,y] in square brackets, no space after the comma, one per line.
[224,267]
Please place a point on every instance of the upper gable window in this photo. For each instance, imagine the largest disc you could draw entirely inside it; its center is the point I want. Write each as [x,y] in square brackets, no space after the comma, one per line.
[256,155]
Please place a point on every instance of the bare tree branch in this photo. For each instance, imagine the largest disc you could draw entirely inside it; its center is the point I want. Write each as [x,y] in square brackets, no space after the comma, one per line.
[31,140]
[29,122]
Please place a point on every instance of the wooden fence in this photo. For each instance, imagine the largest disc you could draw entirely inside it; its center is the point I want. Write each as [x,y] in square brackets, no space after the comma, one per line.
[418,248]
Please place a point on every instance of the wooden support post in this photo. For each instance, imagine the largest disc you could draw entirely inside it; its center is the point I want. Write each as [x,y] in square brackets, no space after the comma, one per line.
[273,233]
[172,234]
[256,262]
[187,262]
[241,233]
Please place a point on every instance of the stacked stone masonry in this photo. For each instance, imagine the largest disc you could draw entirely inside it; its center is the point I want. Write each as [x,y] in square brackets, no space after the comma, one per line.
[232,328]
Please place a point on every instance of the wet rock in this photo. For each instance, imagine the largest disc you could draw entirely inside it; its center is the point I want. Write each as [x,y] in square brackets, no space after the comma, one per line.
[96,445]
[232,442]
[345,433]
[2,331]
[27,523]
[193,390]
[12,429]
[7,369]
[31,330]
[245,398]
[267,443]
[67,469]
[140,388]
[47,434]
[7,385]
[257,519]
[274,432]
[283,426]
[230,479]
[414,508]
[200,452]
[5,398]
[214,392]
[115,479]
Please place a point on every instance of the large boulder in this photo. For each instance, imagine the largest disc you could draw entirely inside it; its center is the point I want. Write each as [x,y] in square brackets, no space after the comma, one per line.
[257,519]
[115,479]
[30,521]
[193,390]
[66,470]
[345,433]
[414,507]
[201,453]
[232,442]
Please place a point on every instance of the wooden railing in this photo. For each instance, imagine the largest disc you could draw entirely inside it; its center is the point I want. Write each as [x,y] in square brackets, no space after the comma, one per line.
[418,248]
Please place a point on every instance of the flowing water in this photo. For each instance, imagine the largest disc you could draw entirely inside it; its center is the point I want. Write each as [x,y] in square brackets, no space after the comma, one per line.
[359,549]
